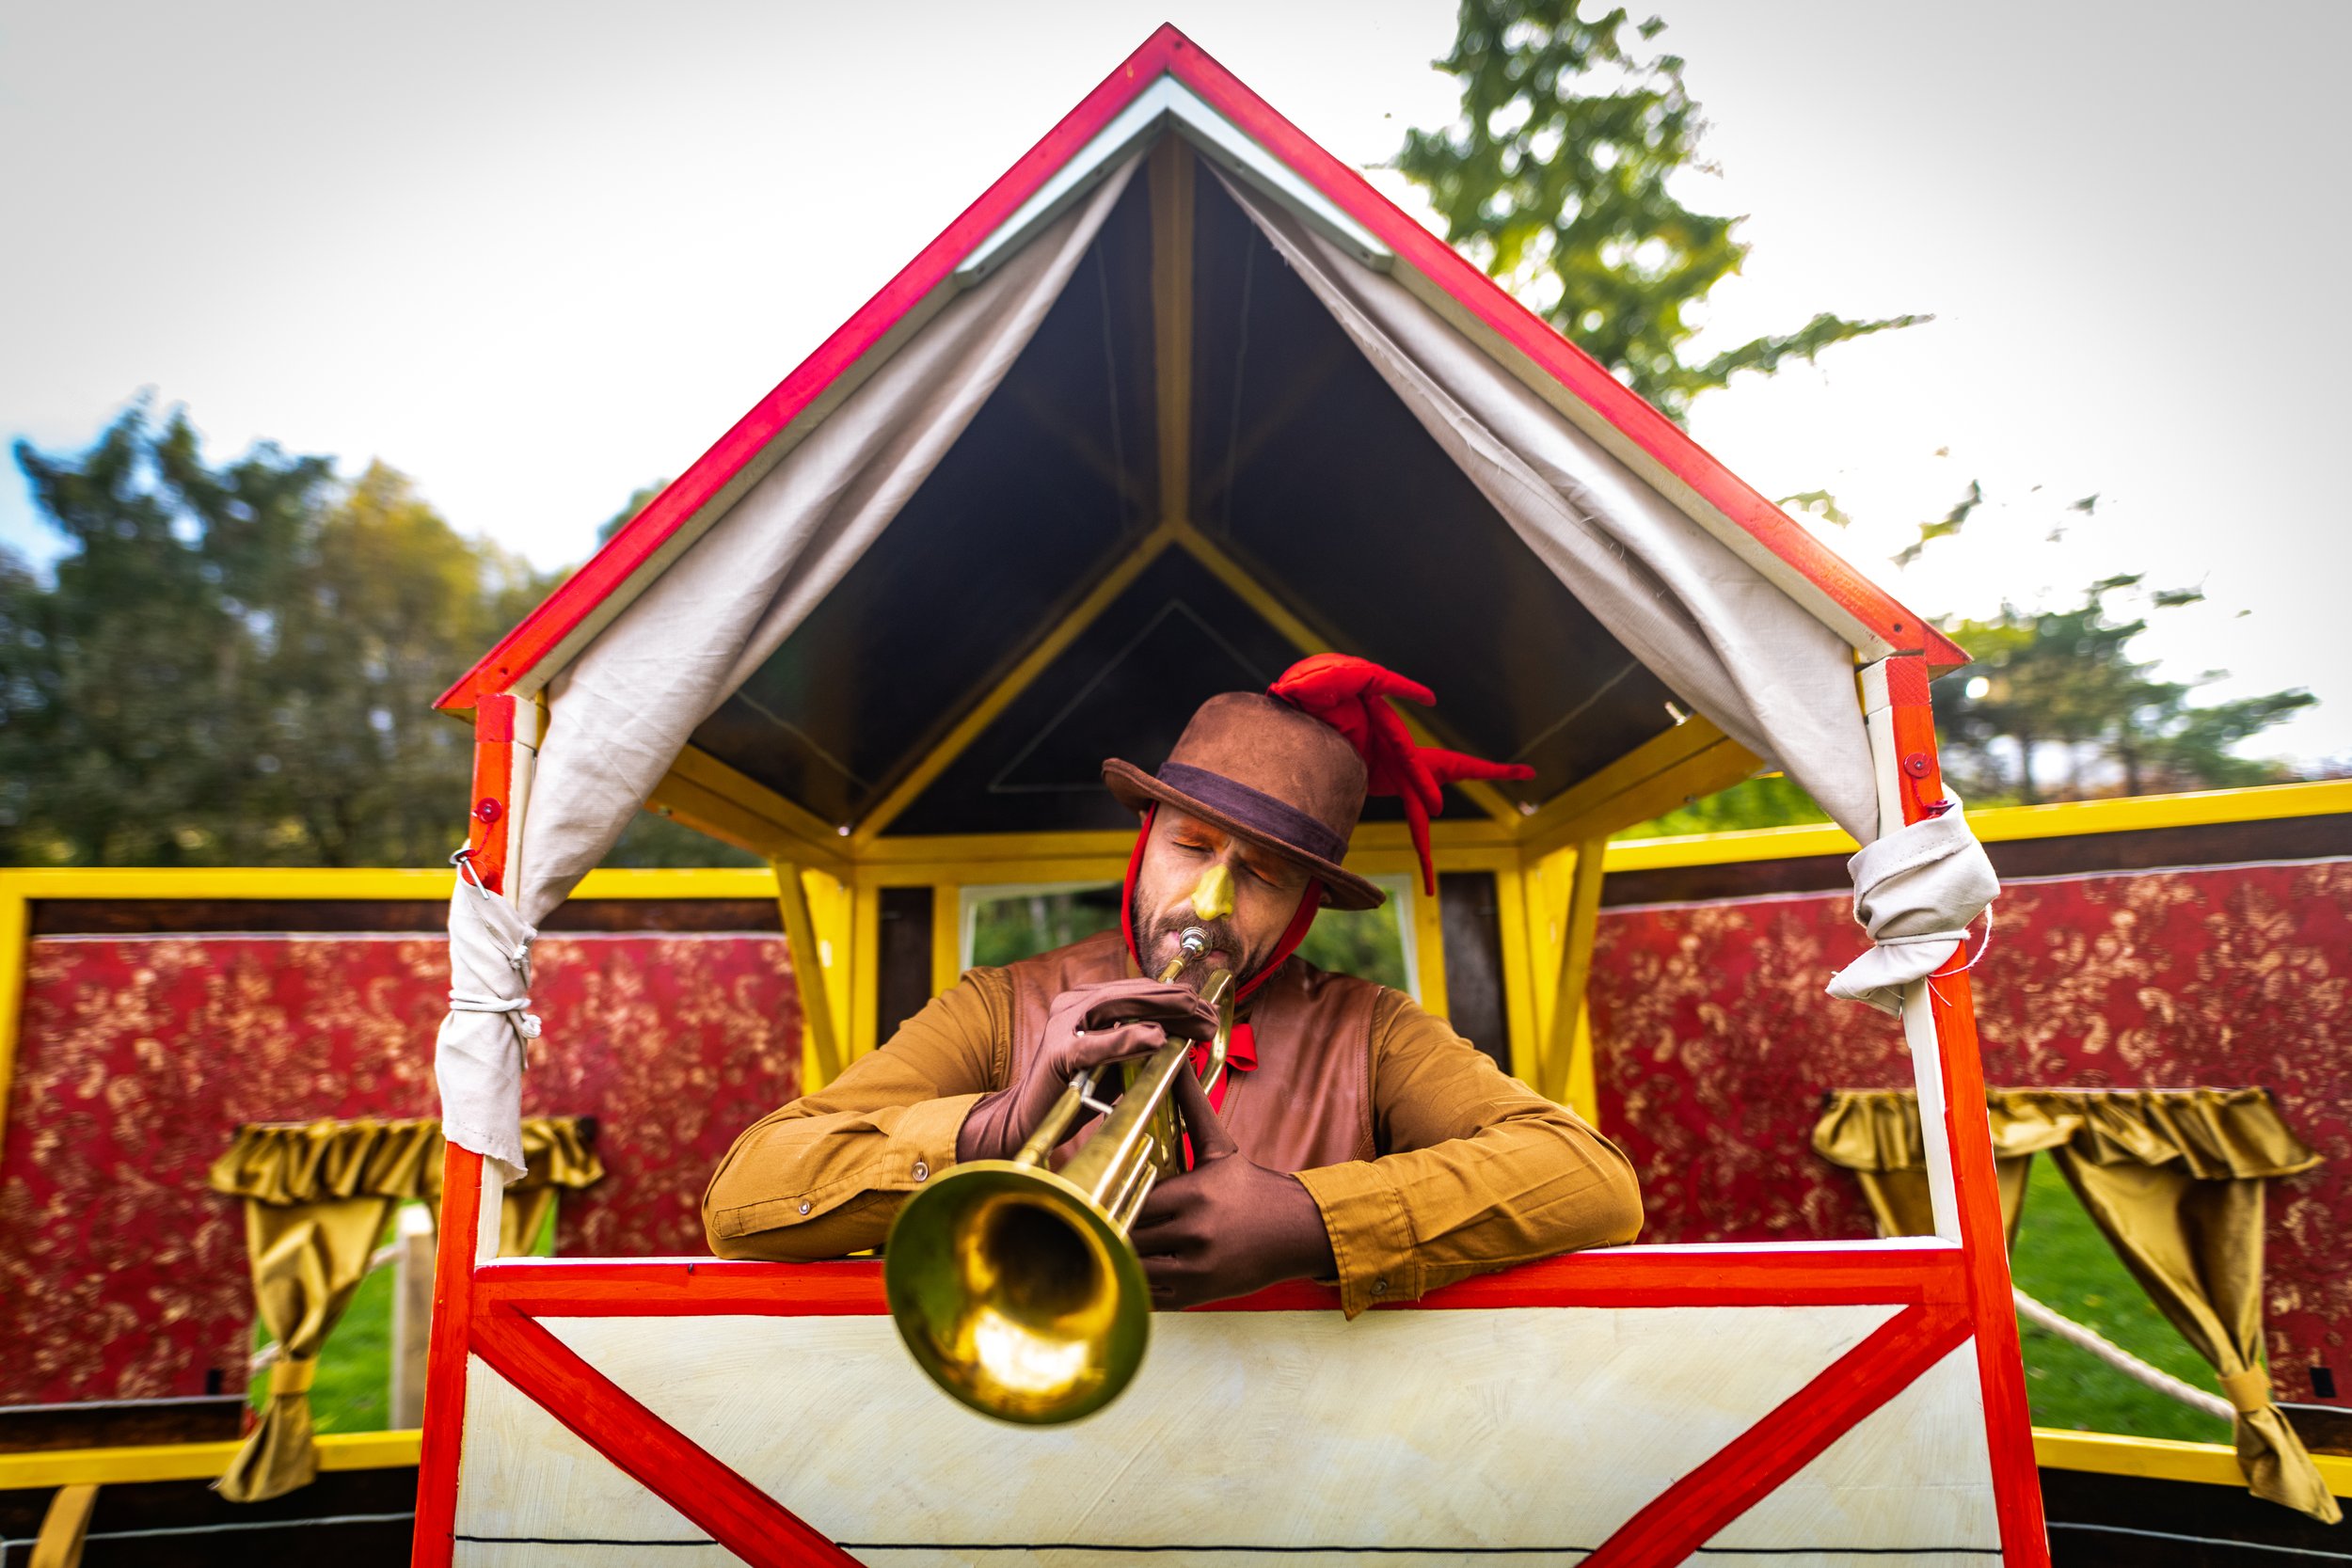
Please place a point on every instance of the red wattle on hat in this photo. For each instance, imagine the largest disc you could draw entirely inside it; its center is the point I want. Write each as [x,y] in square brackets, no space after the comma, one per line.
[1352,695]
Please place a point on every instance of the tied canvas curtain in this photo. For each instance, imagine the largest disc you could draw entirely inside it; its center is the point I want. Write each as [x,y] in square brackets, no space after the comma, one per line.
[2172,1178]
[317,1197]
[1708,624]
[621,712]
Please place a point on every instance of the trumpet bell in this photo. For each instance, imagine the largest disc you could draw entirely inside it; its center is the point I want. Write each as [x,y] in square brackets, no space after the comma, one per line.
[1016,1293]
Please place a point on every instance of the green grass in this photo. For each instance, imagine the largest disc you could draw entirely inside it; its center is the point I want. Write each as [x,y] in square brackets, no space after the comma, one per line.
[353,1390]
[2062,1260]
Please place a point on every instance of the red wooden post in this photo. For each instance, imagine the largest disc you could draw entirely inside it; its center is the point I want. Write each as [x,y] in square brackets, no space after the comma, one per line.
[1968,1132]
[489,819]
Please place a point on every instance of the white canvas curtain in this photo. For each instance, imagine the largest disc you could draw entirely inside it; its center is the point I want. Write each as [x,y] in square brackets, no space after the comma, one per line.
[1733,645]
[621,712]
[1730,644]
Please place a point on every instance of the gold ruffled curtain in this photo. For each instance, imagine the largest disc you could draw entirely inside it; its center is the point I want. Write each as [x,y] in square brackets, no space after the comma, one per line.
[316,1198]
[2172,1178]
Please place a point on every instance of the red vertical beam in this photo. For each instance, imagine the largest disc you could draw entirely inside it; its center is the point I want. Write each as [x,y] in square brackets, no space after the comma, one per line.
[1968,1132]
[488,819]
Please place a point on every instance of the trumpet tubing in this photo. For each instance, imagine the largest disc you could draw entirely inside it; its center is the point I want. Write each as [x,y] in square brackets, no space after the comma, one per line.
[1014,1285]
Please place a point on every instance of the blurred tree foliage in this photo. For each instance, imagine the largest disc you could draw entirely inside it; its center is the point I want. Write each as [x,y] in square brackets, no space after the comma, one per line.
[1022,924]
[637,502]
[2053,708]
[1555,179]
[236,664]
[2058,691]
[1367,943]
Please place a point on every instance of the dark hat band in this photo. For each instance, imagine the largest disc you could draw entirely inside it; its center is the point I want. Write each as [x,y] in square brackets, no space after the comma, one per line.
[1278,819]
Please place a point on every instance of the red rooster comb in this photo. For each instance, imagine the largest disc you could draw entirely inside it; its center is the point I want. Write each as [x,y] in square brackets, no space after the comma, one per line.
[1350,695]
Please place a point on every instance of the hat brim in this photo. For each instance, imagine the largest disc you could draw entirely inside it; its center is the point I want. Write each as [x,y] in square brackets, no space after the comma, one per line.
[1137,790]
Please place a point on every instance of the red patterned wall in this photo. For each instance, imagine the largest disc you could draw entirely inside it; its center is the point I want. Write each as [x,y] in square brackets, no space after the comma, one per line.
[123,1276]
[1714,1043]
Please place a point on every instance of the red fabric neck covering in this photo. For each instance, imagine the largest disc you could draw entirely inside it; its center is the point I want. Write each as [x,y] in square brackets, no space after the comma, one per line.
[1242,1049]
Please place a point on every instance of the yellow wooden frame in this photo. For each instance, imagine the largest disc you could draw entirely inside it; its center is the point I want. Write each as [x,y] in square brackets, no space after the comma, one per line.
[822,1059]
[734,808]
[338,1451]
[2164,1459]
[15,940]
[2004,824]
[2099,1453]
[1692,760]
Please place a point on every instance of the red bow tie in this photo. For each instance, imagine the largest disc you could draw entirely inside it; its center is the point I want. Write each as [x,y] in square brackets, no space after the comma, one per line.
[1241,1055]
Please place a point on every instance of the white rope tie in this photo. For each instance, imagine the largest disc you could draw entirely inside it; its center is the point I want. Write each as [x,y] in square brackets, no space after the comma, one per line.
[1982,948]
[526,1023]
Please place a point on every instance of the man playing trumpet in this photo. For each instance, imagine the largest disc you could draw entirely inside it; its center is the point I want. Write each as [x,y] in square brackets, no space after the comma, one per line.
[1352,1136]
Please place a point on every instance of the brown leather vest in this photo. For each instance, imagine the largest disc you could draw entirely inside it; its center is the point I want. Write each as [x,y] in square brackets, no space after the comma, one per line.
[1309,1101]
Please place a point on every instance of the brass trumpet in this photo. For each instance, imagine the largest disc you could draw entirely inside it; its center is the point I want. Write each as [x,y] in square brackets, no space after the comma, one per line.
[1013,1284]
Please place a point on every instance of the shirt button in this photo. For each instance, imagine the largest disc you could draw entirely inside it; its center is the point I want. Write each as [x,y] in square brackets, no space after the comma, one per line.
[922,1171]
[1379,1287]
[803,1205]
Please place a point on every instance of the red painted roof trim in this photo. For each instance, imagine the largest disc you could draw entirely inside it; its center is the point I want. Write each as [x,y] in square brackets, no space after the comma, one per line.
[1168,50]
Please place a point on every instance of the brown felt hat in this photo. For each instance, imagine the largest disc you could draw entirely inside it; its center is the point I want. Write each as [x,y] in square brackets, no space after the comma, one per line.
[1257,767]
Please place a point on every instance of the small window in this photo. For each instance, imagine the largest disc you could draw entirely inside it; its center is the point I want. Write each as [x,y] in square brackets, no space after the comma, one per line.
[1371,944]
[1002,924]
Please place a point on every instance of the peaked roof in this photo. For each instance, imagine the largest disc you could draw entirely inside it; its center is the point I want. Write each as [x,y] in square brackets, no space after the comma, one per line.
[1169,83]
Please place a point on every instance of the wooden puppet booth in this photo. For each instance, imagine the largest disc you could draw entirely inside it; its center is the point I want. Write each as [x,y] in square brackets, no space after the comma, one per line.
[1176,401]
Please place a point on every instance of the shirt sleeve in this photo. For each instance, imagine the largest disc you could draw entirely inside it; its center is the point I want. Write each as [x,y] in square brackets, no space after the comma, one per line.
[1476,1172]
[822,1176]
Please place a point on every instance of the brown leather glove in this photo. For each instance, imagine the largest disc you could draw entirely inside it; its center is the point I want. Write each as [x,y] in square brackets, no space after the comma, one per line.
[1228,1225]
[1108,1021]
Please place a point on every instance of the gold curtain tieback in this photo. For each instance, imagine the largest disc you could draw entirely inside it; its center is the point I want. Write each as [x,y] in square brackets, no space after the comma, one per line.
[2248,1390]
[292,1376]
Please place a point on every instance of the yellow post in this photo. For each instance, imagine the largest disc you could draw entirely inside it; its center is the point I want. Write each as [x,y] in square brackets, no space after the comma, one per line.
[820,1051]
[14,929]
[1519,974]
[862,970]
[836,939]
[1568,1053]
[1429,949]
[947,935]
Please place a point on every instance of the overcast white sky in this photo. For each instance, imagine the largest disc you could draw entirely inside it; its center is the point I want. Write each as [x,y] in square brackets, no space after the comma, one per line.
[538,254]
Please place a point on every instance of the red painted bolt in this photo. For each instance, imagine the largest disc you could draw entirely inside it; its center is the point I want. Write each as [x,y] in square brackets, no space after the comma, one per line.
[1915,765]
[486,809]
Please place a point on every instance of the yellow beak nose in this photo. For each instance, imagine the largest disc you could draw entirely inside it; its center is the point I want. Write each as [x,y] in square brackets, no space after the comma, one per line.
[1213,894]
